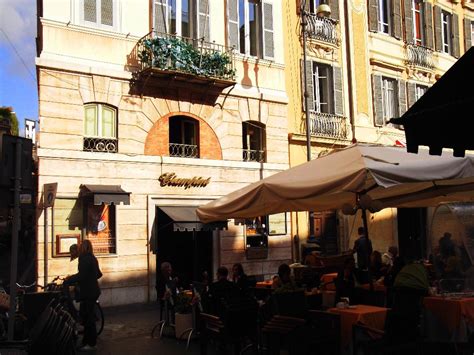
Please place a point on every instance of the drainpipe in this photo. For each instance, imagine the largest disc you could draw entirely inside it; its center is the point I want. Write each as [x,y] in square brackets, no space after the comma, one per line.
[349,70]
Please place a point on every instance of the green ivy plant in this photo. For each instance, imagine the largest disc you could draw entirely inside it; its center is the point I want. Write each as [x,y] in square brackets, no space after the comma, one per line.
[175,54]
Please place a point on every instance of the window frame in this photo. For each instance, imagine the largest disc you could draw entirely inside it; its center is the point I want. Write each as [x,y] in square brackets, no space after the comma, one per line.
[387,111]
[418,91]
[193,17]
[446,31]
[316,77]
[384,8]
[418,23]
[472,32]
[183,121]
[112,222]
[99,119]
[98,24]
[260,135]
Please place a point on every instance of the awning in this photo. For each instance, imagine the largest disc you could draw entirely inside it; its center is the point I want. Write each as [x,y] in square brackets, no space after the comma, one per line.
[185,219]
[105,194]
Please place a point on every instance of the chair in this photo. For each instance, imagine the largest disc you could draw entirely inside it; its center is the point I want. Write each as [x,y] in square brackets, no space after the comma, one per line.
[291,304]
[326,332]
[283,332]
[166,318]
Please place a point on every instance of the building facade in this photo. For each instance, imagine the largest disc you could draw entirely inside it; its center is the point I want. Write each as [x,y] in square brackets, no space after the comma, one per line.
[149,109]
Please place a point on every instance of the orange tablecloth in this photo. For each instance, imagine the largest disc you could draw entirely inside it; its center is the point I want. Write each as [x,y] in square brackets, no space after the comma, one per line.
[326,278]
[451,311]
[371,316]
[264,284]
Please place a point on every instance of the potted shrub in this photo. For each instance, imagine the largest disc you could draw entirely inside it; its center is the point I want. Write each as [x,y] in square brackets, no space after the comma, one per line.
[183,316]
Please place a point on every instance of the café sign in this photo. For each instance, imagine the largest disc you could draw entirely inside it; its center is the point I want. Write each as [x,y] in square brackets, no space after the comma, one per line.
[170,179]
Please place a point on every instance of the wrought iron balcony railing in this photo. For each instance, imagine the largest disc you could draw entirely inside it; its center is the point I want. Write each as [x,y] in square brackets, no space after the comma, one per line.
[253,155]
[328,125]
[105,145]
[322,28]
[420,56]
[187,55]
[184,150]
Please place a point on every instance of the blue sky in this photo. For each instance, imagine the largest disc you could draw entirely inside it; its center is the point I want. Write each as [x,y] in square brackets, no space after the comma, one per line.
[17,58]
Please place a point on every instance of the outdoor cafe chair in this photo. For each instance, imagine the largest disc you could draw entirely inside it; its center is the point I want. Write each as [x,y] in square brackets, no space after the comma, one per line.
[325,330]
[282,332]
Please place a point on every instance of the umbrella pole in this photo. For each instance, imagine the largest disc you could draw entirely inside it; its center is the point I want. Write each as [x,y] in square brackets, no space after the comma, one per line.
[366,227]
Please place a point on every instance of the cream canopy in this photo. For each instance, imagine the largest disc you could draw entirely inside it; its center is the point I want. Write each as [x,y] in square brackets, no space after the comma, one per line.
[366,176]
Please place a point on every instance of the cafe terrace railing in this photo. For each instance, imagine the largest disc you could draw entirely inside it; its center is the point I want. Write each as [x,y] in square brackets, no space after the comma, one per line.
[419,56]
[186,55]
[328,125]
[184,150]
[322,28]
[254,155]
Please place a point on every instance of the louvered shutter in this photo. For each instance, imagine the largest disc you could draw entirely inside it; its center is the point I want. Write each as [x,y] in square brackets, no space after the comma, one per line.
[107,12]
[408,21]
[309,84]
[233,13]
[428,23]
[402,97]
[396,19]
[467,34]
[90,10]
[373,15]
[411,88]
[334,4]
[455,36]
[108,122]
[160,16]
[90,121]
[268,42]
[378,103]
[437,28]
[204,19]
[338,91]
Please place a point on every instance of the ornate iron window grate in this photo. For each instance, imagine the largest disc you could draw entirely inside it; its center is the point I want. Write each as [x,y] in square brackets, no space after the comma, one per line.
[328,125]
[105,145]
[322,28]
[420,56]
[184,150]
[253,155]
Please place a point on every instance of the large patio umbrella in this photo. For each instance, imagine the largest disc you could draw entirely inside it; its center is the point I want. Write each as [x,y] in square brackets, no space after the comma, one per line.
[360,176]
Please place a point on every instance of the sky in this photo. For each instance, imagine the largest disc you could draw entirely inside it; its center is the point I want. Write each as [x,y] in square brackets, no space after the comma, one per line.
[17,58]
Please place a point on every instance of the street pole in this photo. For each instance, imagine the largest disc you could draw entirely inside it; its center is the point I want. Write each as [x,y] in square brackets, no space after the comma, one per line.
[14,249]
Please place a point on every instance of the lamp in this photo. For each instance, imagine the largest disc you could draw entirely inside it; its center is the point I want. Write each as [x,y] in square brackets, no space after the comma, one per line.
[323,10]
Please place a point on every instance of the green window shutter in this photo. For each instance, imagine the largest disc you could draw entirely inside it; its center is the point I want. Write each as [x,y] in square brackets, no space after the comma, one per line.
[437,28]
[467,34]
[107,12]
[204,20]
[334,4]
[90,10]
[90,121]
[402,97]
[396,19]
[455,36]
[378,104]
[160,16]
[233,21]
[338,91]
[411,93]
[428,23]
[108,122]
[408,21]
[373,15]
[309,83]
[268,42]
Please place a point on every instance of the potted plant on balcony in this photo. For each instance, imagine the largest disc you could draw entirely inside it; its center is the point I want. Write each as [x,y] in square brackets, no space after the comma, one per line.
[183,312]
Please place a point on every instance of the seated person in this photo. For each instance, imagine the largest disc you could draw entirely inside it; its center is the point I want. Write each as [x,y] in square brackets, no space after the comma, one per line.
[220,291]
[412,276]
[376,266]
[285,282]
[240,279]
[346,281]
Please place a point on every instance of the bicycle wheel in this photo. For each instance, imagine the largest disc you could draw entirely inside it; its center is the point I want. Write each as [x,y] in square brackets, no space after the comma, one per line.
[99,318]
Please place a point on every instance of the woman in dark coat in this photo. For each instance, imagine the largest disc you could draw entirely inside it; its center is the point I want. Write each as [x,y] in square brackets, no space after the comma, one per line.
[86,278]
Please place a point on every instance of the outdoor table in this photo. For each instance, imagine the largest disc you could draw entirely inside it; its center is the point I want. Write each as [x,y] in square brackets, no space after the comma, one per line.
[327,279]
[264,284]
[370,316]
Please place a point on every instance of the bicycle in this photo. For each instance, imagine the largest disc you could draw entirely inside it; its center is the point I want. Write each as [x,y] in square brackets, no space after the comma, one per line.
[71,305]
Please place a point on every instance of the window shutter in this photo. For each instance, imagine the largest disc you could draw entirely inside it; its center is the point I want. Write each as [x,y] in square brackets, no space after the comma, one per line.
[402,97]
[90,121]
[90,10]
[373,15]
[428,13]
[467,34]
[334,5]
[268,44]
[309,83]
[455,35]
[411,88]
[204,21]
[408,21]
[378,104]
[160,16]
[233,13]
[107,12]
[108,122]
[337,91]
[396,19]
[437,28]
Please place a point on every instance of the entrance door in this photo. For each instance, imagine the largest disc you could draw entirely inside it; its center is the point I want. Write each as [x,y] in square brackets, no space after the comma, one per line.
[412,232]
[189,252]
[325,228]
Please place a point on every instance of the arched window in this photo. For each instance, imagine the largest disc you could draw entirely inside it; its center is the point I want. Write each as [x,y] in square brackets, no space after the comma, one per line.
[253,141]
[100,128]
[184,137]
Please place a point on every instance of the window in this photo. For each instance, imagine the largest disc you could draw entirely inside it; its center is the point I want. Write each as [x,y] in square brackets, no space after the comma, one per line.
[389,98]
[183,137]
[100,128]
[313,5]
[446,31]
[251,27]
[253,141]
[420,91]
[322,88]
[99,13]
[472,32]
[418,25]
[384,16]
[100,228]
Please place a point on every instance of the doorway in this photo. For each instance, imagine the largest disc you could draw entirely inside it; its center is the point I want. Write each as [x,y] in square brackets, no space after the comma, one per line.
[412,232]
[189,252]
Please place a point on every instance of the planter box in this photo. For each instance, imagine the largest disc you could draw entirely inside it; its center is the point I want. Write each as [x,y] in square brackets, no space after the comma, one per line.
[182,323]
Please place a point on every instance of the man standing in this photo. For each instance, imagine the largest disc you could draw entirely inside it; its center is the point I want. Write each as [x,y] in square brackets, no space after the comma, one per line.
[363,249]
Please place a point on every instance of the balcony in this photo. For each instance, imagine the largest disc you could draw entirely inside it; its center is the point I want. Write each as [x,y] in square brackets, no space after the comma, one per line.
[322,28]
[328,125]
[94,144]
[184,150]
[419,56]
[253,155]
[186,60]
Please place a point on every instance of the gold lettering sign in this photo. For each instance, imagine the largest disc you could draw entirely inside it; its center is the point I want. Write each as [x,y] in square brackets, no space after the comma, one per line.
[170,179]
